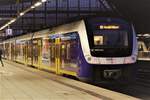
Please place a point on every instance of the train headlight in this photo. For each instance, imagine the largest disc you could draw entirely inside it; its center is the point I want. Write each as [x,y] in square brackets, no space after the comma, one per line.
[89,58]
[133,58]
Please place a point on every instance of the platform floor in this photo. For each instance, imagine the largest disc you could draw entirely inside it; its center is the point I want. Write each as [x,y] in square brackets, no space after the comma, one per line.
[19,82]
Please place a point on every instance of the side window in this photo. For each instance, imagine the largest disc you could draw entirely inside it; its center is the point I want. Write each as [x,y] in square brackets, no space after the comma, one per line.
[68,51]
[69,46]
[52,48]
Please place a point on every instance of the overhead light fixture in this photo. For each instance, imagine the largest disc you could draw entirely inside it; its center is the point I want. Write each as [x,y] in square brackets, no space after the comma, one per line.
[139,35]
[32,7]
[146,35]
[3,27]
[43,0]
[12,21]
[21,14]
[7,24]
[38,4]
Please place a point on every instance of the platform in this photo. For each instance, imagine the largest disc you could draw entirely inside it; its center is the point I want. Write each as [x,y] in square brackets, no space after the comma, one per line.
[19,82]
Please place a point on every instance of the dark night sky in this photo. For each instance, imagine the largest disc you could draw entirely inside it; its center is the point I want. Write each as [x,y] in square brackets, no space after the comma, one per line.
[138,11]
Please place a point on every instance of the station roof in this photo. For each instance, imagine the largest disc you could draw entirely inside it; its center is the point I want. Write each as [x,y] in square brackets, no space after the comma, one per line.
[55,12]
[48,14]
[135,10]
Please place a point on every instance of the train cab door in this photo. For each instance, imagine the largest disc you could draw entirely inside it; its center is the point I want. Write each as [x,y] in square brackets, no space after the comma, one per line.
[36,44]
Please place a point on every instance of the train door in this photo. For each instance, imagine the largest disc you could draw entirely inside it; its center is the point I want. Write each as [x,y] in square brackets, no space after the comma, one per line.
[48,54]
[69,54]
[7,49]
[24,47]
[36,52]
[2,47]
[29,58]
[12,51]
[53,54]
[4,55]
[20,51]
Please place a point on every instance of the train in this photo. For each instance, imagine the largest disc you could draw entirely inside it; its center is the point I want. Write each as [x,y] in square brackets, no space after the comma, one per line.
[94,49]
[143,49]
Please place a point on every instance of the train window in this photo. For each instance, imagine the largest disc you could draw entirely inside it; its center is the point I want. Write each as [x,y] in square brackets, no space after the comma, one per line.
[120,38]
[29,50]
[46,48]
[70,41]
[49,51]
[52,51]
[36,51]
[7,50]
[98,40]
[63,50]
[2,48]
[19,50]
[69,49]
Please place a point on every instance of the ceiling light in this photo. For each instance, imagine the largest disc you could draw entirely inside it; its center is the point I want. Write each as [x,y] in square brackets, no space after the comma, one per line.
[13,20]
[38,4]
[3,27]
[146,35]
[10,22]
[139,35]
[21,14]
[32,7]
[43,0]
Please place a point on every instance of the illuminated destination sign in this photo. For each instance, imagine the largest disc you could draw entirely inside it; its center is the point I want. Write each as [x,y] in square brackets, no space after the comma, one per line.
[109,27]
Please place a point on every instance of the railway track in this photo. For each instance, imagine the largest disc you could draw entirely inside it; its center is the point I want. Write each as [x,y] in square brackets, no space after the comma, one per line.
[143,73]
[141,88]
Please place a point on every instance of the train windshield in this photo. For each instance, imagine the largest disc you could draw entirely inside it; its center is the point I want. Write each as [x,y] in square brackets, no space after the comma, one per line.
[111,38]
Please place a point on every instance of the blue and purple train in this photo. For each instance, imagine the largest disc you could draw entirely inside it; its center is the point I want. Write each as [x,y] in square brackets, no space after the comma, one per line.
[99,49]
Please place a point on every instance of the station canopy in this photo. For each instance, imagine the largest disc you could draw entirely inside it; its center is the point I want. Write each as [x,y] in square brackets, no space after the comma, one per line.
[56,12]
[135,10]
[45,15]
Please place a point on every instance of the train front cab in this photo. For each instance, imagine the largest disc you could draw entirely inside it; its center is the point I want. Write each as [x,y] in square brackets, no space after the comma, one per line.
[113,50]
